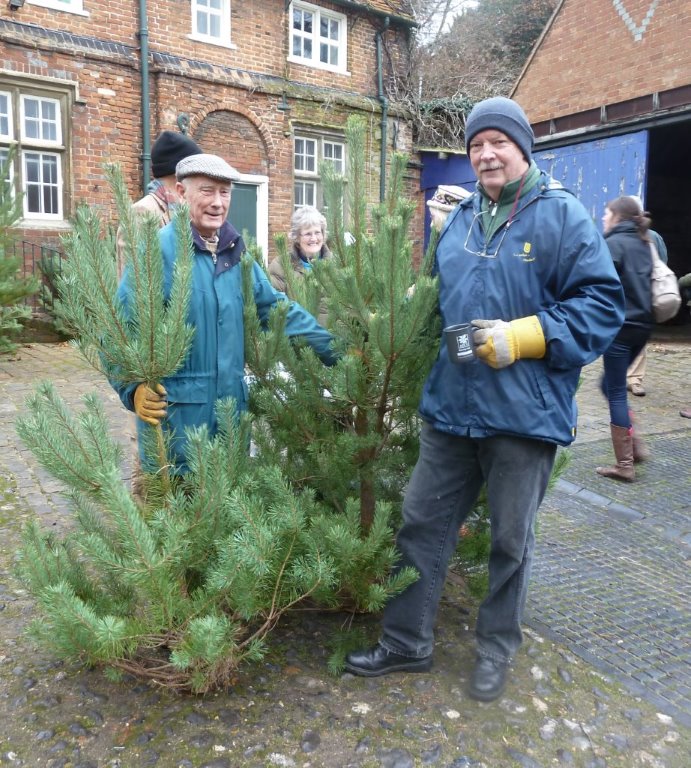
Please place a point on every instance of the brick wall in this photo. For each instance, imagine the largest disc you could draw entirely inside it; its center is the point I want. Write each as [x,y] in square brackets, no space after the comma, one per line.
[599,52]
[230,94]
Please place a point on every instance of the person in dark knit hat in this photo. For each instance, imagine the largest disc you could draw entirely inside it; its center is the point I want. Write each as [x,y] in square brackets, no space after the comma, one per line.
[505,115]
[523,256]
[161,198]
[169,148]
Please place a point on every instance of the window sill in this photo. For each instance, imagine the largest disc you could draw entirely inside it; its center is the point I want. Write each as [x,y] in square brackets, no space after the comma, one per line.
[60,7]
[31,223]
[212,41]
[318,65]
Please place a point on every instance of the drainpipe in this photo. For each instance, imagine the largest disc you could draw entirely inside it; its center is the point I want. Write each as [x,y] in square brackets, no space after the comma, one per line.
[144,69]
[384,110]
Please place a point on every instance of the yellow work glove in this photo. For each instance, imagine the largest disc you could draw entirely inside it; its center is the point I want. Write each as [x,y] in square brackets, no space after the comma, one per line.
[150,405]
[499,343]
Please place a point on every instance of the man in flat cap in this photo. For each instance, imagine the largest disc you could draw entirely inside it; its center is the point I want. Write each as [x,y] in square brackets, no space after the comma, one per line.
[215,365]
[523,256]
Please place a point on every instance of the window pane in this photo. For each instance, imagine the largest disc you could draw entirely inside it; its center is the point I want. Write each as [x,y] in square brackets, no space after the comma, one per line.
[215,26]
[6,179]
[31,125]
[202,26]
[305,155]
[4,114]
[333,153]
[299,155]
[50,199]
[33,199]
[41,183]
[41,119]
[48,121]
[32,168]
[305,193]
[302,34]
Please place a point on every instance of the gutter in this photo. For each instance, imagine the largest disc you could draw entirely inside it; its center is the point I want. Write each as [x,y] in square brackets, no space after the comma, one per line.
[143,35]
[384,110]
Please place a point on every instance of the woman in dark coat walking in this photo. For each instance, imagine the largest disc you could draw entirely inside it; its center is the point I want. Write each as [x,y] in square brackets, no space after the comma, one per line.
[626,232]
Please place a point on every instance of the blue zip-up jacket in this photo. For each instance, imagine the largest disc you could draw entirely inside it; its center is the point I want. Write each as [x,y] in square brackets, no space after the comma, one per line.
[215,365]
[553,263]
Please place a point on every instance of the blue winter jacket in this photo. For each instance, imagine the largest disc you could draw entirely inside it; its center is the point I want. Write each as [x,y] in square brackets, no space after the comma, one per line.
[552,263]
[215,365]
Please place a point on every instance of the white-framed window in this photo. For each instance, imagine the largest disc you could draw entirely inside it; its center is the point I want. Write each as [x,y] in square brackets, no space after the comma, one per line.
[318,37]
[71,6]
[309,152]
[33,119]
[211,21]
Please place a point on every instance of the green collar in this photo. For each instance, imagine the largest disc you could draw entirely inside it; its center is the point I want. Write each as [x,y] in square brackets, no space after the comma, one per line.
[495,215]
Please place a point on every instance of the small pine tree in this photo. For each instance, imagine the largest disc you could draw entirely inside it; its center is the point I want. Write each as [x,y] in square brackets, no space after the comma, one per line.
[180,593]
[350,432]
[182,588]
[13,288]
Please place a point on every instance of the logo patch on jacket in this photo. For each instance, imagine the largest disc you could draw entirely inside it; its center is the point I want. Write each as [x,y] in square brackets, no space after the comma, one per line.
[526,254]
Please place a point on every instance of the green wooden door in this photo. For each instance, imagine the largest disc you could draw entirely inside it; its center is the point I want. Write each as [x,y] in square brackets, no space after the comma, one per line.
[243,208]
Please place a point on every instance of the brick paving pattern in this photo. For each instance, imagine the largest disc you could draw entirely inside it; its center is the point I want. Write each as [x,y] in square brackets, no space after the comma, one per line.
[611,576]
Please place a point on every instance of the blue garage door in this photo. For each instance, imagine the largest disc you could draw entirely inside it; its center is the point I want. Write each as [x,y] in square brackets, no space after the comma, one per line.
[598,171]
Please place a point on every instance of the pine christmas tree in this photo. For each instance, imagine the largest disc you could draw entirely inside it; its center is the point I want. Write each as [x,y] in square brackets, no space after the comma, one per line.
[182,588]
[13,289]
[349,433]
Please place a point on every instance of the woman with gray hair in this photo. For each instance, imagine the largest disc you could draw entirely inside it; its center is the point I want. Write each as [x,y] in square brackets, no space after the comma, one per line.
[307,239]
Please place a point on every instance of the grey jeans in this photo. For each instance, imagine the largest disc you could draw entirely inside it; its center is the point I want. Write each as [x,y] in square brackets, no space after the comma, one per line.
[443,489]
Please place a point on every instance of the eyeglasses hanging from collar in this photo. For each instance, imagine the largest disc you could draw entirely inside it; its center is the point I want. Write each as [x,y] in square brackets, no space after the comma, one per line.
[485,253]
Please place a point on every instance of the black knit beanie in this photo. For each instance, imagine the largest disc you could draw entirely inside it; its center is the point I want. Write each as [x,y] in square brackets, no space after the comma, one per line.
[168,149]
[501,114]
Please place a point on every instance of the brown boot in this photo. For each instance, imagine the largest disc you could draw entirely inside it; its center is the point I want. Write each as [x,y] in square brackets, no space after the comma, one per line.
[640,448]
[622,441]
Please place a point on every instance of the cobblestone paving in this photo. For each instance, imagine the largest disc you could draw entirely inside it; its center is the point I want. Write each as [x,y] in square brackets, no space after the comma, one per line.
[602,681]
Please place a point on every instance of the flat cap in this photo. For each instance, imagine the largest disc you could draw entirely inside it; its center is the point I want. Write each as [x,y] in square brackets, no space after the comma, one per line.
[211,166]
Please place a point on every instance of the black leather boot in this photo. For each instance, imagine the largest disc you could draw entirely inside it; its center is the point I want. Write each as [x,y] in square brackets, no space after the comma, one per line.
[376,661]
[488,680]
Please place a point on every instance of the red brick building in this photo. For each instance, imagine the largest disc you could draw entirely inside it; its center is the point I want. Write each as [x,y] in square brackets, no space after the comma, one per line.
[607,89]
[266,84]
